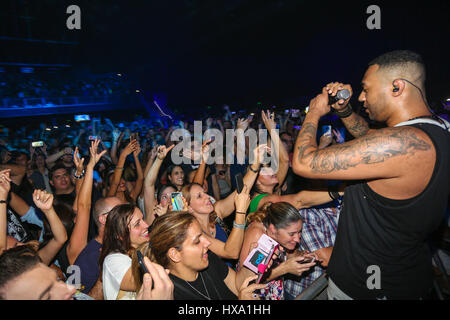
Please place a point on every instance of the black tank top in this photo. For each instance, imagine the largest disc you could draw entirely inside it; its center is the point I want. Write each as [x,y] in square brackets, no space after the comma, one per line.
[391,234]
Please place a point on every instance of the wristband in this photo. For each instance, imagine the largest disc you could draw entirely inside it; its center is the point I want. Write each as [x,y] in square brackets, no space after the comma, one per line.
[251,169]
[120,168]
[238,226]
[3,201]
[345,113]
[241,212]
[80,176]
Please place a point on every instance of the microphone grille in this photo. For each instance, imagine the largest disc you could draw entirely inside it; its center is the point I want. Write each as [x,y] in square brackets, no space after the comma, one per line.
[343,94]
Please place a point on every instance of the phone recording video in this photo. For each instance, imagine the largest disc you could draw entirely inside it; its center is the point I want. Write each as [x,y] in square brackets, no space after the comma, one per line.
[36,144]
[176,198]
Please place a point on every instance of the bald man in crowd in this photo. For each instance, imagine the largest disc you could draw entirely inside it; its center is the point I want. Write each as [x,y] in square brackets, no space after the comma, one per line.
[88,258]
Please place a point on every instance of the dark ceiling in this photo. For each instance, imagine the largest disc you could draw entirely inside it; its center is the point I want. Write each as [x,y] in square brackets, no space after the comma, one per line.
[240,52]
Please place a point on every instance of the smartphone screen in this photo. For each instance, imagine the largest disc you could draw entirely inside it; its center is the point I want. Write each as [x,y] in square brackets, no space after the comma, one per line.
[36,144]
[326,130]
[177,201]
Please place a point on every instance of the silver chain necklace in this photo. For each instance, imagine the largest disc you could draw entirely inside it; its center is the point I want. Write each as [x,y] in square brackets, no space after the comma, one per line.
[204,286]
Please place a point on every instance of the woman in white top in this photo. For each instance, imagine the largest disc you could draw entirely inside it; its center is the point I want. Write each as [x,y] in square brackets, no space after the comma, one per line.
[125,230]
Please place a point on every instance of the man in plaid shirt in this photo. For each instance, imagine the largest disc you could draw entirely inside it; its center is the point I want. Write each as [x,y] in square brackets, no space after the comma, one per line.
[318,236]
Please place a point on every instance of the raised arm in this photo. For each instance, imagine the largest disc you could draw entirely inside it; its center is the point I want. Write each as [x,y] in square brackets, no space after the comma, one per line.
[278,151]
[242,125]
[149,183]
[117,138]
[5,186]
[44,201]
[232,247]
[119,167]
[151,159]
[383,154]
[79,165]
[78,239]
[54,157]
[225,207]
[354,123]
[140,175]
[200,172]
[16,173]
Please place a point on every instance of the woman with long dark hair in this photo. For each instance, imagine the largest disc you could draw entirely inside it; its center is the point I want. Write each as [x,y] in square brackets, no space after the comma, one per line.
[125,230]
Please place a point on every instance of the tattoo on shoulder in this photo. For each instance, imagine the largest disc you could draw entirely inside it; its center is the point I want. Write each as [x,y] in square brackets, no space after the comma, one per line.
[378,147]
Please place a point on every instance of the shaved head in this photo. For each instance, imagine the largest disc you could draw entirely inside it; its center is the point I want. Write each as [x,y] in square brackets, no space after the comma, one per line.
[104,205]
[401,64]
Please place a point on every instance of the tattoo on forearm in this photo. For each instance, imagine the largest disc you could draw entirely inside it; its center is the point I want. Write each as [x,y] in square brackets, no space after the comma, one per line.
[356,125]
[374,148]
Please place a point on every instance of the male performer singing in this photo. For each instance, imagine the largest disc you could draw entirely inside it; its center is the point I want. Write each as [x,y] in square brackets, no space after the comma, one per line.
[403,170]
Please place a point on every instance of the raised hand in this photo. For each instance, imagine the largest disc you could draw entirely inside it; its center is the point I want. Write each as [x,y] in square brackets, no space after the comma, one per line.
[153,152]
[185,205]
[332,89]
[5,183]
[269,120]
[130,148]
[258,153]
[243,123]
[77,161]
[242,200]
[160,210]
[137,151]
[95,156]
[162,151]
[205,150]
[339,137]
[43,199]
[116,134]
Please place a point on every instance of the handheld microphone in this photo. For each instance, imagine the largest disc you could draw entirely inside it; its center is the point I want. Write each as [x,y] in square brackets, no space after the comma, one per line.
[341,94]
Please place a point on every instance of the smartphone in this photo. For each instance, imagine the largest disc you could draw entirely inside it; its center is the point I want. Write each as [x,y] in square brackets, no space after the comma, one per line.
[36,144]
[213,138]
[92,138]
[307,109]
[82,117]
[177,201]
[259,258]
[326,130]
[250,117]
[308,260]
[142,266]
[239,182]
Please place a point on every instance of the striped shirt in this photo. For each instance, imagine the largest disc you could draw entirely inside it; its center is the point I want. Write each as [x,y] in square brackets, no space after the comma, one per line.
[319,231]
